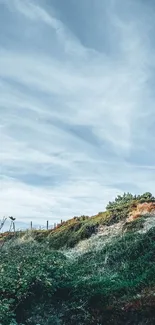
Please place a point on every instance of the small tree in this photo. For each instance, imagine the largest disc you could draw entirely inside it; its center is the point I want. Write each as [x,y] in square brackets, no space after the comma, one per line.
[12,226]
[2,222]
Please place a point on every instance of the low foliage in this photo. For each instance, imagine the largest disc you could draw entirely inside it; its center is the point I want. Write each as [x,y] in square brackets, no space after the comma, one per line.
[73,231]
[41,286]
[110,284]
[123,205]
[27,271]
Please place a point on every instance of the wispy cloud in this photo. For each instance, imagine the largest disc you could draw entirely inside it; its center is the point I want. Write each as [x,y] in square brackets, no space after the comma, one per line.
[74,126]
[38,14]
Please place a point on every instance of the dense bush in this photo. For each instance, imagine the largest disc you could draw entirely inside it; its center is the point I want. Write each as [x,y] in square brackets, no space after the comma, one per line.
[28,272]
[70,235]
[122,205]
[41,286]
[113,283]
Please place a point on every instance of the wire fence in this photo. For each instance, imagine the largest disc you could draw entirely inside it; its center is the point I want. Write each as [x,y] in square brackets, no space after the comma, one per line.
[47,226]
[13,226]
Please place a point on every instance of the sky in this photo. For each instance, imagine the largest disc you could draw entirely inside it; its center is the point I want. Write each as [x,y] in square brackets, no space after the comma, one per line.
[77,106]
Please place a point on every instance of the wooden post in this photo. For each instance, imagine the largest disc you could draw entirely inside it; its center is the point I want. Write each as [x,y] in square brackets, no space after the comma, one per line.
[31,225]
[47,225]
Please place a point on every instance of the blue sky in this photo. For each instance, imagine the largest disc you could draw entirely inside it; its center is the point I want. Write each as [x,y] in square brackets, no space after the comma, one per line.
[77,105]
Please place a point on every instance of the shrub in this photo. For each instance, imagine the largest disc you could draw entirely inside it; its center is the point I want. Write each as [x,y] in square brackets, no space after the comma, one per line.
[28,273]
[121,207]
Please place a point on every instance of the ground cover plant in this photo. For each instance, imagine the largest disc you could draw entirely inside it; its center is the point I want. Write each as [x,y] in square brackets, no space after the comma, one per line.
[110,282]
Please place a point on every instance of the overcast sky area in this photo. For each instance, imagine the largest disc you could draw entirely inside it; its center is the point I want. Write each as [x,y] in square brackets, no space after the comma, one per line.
[77,105]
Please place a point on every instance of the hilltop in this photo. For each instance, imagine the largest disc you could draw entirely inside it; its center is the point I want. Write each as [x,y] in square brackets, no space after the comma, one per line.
[89,270]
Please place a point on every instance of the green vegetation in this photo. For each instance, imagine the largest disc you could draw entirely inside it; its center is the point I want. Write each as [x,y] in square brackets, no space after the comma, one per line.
[110,283]
[135,225]
[123,205]
[75,230]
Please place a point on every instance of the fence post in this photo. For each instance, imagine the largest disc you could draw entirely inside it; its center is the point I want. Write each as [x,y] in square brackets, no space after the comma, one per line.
[47,225]
[31,225]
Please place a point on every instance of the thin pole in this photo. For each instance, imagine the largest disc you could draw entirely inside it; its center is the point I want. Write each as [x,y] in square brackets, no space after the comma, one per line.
[13,226]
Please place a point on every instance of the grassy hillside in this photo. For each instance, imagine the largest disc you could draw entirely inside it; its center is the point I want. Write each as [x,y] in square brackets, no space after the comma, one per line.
[97,270]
